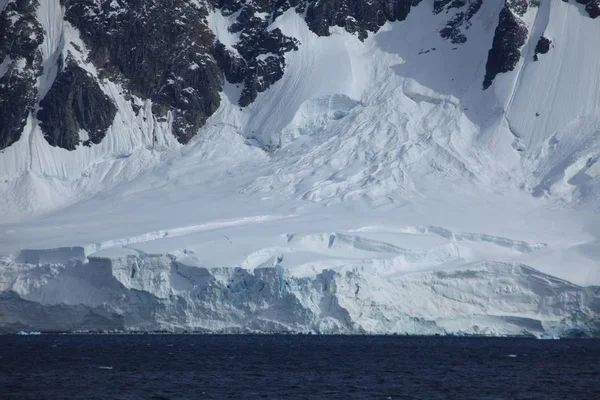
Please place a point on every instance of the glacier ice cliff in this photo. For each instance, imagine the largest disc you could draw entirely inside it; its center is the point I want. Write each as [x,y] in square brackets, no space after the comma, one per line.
[142,292]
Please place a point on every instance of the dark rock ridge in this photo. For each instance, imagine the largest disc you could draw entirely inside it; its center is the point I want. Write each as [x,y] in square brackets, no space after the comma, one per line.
[542,47]
[21,62]
[163,50]
[260,58]
[461,21]
[158,50]
[74,102]
[356,16]
[440,5]
[518,6]
[592,7]
[509,37]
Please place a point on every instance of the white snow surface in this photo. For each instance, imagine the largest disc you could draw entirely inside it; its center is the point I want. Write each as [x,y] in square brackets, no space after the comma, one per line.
[391,177]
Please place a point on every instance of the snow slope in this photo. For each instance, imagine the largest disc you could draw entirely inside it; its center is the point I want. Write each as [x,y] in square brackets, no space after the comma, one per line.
[375,188]
[555,106]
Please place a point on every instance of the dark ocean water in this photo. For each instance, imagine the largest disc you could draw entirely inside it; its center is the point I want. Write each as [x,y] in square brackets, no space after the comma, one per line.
[296,367]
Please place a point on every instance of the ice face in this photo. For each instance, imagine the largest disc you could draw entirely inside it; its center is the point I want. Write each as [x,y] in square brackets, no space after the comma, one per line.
[156,293]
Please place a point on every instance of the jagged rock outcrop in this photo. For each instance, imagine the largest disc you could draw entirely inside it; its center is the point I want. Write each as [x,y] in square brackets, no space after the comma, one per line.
[20,64]
[75,102]
[510,36]
[260,58]
[356,16]
[542,47]
[164,51]
[158,50]
[592,7]
[461,21]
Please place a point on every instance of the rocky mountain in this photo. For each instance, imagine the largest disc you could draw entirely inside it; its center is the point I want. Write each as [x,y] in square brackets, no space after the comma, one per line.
[339,166]
[164,51]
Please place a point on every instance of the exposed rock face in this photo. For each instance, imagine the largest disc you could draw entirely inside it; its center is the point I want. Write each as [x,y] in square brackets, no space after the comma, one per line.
[440,5]
[592,7]
[159,50]
[542,47]
[20,65]
[518,6]
[356,16]
[260,61]
[461,21]
[510,36]
[75,102]
[165,52]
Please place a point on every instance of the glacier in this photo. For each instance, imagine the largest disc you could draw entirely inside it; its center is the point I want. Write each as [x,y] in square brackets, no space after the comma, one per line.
[142,292]
[375,188]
